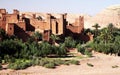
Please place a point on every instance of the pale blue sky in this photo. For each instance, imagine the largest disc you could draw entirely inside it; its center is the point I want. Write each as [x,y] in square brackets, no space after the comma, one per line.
[58,6]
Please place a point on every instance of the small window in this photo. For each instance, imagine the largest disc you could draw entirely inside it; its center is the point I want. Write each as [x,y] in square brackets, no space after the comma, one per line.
[10,28]
[56,28]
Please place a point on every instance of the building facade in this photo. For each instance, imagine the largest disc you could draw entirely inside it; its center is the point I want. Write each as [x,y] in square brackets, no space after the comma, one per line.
[19,25]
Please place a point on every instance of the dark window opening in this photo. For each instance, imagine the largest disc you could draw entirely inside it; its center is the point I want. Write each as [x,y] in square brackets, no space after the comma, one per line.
[56,28]
[10,28]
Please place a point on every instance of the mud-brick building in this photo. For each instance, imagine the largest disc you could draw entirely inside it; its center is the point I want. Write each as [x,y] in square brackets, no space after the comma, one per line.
[23,27]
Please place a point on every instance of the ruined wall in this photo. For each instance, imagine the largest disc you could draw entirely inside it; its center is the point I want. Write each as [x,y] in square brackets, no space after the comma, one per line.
[78,26]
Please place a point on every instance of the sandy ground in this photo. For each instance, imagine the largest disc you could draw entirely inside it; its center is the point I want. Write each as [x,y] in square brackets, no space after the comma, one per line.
[102,66]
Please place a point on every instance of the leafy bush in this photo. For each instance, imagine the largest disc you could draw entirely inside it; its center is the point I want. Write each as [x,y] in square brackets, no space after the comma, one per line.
[49,65]
[58,62]
[69,42]
[80,48]
[115,66]
[88,53]
[61,50]
[84,50]
[75,62]
[11,48]
[35,61]
[89,64]
[66,63]
[13,66]
[44,61]
[0,67]
[19,64]
[0,60]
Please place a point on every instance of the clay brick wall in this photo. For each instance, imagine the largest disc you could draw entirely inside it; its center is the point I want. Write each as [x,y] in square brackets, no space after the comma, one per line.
[34,16]
[10,28]
[22,25]
[48,21]
[15,11]
[41,26]
[3,11]
[75,29]
[81,21]
[76,23]
[61,25]
[3,21]
[78,26]
[3,25]
[54,25]
[11,18]
[38,24]
[46,35]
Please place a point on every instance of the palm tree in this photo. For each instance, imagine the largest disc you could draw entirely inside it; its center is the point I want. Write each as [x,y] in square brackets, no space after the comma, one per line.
[105,35]
[96,26]
[111,28]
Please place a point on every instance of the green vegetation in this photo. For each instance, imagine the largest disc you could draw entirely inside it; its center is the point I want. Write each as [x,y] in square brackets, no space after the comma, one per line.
[89,64]
[20,64]
[0,67]
[75,62]
[115,66]
[70,42]
[18,54]
[96,32]
[107,41]
[83,49]
[45,62]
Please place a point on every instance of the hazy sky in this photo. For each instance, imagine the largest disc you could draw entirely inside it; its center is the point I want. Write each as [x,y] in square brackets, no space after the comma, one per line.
[58,6]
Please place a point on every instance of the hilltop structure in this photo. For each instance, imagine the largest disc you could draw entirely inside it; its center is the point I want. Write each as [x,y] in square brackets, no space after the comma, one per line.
[19,25]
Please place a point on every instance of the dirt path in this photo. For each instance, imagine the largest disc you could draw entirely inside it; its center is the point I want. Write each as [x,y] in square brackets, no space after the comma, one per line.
[102,66]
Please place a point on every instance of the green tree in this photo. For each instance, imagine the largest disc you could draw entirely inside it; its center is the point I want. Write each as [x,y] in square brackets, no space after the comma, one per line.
[54,38]
[70,42]
[111,28]
[96,26]
[37,36]
[11,48]
[2,34]
[105,36]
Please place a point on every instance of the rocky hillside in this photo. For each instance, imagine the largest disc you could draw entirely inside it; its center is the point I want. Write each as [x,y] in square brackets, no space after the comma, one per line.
[108,15]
